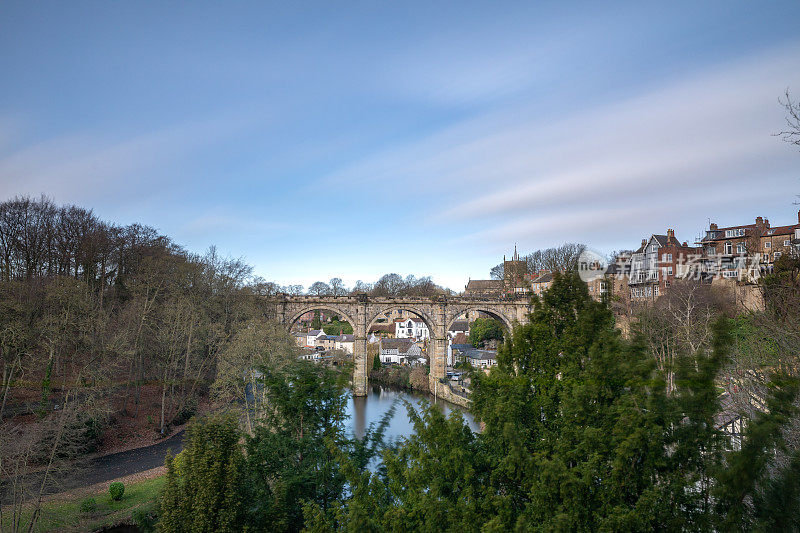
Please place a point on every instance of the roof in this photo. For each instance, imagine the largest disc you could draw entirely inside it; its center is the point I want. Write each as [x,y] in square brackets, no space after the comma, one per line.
[345,338]
[314,332]
[402,345]
[474,353]
[482,354]
[459,325]
[544,278]
[781,230]
[484,284]
[720,232]
[383,328]
[460,338]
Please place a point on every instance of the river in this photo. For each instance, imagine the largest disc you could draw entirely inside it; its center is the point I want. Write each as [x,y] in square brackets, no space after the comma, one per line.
[369,409]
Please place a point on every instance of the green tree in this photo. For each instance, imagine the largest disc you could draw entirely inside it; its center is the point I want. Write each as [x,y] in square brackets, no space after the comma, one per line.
[289,462]
[376,362]
[580,432]
[316,322]
[482,330]
[204,492]
[751,494]
[337,327]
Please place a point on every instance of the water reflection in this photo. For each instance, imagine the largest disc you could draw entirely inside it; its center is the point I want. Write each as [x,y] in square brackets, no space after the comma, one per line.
[369,409]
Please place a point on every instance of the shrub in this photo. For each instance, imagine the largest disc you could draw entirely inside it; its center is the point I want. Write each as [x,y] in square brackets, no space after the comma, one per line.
[116,490]
[88,505]
[145,517]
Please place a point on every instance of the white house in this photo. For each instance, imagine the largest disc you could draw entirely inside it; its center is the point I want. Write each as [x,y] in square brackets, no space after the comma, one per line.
[345,343]
[458,326]
[411,328]
[400,351]
[312,336]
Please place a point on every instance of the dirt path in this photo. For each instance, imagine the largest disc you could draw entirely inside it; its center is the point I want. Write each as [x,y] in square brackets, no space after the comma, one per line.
[108,467]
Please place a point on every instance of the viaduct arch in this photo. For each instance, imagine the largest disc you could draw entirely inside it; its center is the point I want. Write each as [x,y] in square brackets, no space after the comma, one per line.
[438,313]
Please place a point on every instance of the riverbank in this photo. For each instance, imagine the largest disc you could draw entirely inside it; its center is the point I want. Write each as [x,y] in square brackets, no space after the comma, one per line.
[402,377]
[417,379]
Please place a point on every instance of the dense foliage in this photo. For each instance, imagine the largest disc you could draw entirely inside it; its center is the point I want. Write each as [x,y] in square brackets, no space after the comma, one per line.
[484,330]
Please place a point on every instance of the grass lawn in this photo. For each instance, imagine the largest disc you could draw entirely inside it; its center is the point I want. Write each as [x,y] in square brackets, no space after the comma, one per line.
[67,516]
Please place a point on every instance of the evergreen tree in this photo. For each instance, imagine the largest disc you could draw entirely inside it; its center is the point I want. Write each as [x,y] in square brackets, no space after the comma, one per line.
[203,493]
[289,462]
[580,432]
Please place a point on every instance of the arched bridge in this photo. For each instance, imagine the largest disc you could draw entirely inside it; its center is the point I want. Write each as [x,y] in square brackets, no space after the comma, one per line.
[438,313]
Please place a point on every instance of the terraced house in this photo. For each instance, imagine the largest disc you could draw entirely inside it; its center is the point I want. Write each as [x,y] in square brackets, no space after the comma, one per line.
[657,263]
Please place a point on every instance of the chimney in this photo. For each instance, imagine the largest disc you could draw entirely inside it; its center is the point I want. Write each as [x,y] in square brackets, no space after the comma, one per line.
[685,244]
[644,242]
[714,226]
[670,235]
[759,221]
[766,222]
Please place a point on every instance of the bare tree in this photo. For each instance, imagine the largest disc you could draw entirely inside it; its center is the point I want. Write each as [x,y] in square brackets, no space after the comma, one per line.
[792,133]
[293,290]
[319,288]
[257,345]
[497,271]
[337,287]
[361,287]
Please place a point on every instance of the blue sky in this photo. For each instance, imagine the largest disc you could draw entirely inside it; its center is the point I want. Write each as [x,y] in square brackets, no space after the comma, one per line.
[353,139]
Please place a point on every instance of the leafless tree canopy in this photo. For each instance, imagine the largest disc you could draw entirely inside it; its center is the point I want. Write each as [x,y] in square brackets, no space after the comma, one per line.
[792,132]
[558,259]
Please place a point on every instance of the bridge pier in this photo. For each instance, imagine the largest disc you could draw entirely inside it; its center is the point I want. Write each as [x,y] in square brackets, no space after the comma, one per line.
[437,350]
[360,350]
[360,370]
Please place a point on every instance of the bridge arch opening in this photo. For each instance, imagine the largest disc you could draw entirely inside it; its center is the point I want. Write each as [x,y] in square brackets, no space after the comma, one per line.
[291,322]
[389,314]
[471,313]
[410,317]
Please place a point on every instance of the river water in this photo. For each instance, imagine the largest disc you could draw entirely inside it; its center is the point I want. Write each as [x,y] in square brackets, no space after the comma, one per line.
[369,409]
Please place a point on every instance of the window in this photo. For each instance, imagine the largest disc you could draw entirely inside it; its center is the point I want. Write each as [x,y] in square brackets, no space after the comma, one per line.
[669,271]
[737,232]
[666,283]
[667,258]
[787,242]
[777,255]
[728,248]
[655,291]
[741,248]
[711,250]
[730,274]
[767,244]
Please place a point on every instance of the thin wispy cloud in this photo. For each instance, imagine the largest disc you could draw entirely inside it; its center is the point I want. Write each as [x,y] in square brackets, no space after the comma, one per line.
[84,165]
[700,133]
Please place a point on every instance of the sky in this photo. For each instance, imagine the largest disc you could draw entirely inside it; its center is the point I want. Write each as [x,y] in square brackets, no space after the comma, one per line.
[354,139]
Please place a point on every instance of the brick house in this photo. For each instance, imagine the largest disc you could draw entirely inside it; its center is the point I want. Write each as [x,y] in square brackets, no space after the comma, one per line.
[778,241]
[657,263]
[730,252]
[541,281]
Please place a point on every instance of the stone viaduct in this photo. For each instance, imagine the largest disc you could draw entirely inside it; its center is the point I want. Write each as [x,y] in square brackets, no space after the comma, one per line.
[438,313]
